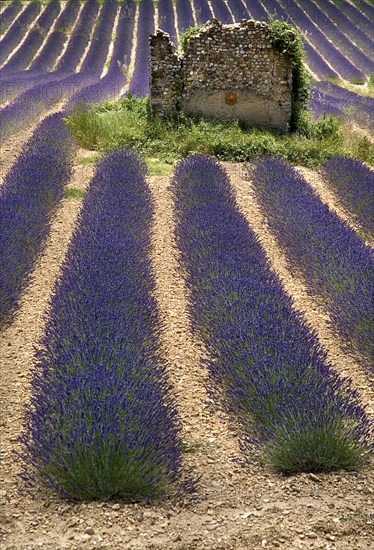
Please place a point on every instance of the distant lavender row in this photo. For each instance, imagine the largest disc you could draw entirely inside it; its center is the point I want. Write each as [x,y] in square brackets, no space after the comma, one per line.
[101,423]
[139,84]
[340,41]
[265,365]
[337,266]
[327,97]
[53,47]
[353,183]
[332,55]
[8,15]
[314,60]
[338,16]
[220,11]
[203,11]
[166,19]
[184,15]
[79,39]
[120,59]
[238,9]
[29,196]
[18,30]
[25,54]
[18,83]
[36,100]
[317,64]
[257,10]
[357,16]
[111,84]
[96,56]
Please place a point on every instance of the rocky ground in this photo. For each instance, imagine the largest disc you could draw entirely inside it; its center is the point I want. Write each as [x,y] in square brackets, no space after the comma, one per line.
[236,506]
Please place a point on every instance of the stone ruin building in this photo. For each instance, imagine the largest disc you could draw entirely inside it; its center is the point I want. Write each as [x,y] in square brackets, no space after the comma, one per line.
[225,72]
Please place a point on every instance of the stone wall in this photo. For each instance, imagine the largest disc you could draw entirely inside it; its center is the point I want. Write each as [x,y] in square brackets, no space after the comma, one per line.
[226,71]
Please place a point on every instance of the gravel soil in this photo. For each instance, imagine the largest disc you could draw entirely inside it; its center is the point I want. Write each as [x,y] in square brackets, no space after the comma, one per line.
[235,507]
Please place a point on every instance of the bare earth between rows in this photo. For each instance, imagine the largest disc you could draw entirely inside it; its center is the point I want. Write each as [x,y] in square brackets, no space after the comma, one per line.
[235,507]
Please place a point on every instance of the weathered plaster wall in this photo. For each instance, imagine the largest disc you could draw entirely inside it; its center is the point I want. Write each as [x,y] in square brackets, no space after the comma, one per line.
[226,71]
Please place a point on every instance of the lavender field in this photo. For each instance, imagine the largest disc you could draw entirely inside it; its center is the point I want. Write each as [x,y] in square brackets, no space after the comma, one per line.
[186,347]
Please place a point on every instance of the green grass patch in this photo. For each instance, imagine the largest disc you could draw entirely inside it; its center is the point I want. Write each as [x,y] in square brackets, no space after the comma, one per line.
[92,159]
[157,167]
[129,122]
[73,193]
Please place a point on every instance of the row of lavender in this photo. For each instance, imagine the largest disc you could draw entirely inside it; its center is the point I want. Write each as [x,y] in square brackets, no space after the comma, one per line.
[102,423]
[29,196]
[265,365]
[336,264]
[327,97]
[353,184]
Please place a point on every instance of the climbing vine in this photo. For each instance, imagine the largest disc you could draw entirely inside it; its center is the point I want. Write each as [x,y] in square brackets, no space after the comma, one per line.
[186,35]
[286,39]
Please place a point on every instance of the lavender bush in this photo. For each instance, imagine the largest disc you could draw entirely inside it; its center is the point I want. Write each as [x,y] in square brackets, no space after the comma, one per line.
[336,265]
[265,364]
[353,183]
[101,423]
[28,198]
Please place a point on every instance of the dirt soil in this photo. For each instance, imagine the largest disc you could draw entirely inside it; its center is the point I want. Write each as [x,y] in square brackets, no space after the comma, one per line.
[235,507]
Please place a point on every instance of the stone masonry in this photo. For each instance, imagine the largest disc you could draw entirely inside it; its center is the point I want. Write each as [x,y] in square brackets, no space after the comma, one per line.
[226,72]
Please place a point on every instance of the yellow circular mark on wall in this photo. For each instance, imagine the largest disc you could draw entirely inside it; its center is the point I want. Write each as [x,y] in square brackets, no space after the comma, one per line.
[231,98]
